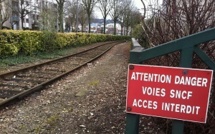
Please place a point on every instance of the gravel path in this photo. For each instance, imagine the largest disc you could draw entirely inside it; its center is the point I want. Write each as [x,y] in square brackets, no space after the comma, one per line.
[90,101]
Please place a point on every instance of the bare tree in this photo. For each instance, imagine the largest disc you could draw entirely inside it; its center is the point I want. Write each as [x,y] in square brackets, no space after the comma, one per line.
[82,18]
[135,18]
[48,18]
[71,14]
[132,17]
[173,20]
[115,12]
[60,8]
[176,19]
[118,7]
[127,17]
[88,6]
[105,7]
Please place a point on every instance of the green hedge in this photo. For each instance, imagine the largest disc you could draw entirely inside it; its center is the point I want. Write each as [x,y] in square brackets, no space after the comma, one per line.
[31,42]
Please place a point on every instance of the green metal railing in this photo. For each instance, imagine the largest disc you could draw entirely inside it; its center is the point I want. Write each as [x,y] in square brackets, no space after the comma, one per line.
[186,46]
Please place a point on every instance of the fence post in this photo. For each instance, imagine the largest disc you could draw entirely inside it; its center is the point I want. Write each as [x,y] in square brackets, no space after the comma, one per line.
[132,124]
[132,120]
[186,45]
[185,61]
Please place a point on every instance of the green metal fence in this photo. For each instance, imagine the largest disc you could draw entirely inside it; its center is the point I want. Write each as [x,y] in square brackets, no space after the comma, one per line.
[187,46]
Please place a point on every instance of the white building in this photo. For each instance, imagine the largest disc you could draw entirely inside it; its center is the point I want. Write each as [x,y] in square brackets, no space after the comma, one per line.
[10,14]
[110,28]
[32,14]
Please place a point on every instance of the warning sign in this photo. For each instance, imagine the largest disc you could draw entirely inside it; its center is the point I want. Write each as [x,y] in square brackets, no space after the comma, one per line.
[169,92]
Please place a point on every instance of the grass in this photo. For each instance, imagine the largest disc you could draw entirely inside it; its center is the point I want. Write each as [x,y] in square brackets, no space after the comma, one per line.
[20,59]
[11,61]
[94,83]
[55,54]
[52,120]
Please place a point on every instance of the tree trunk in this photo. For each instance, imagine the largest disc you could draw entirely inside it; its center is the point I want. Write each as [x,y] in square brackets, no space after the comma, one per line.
[61,18]
[22,21]
[127,28]
[89,25]
[122,26]
[82,28]
[0,14]
[104,24]
[0,24]
[114,26]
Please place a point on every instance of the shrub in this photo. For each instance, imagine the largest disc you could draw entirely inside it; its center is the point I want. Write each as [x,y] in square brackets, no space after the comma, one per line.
[47,41]
[8,49]
[31,42]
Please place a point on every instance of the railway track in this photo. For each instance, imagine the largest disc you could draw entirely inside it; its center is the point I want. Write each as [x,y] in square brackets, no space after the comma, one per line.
[17,84]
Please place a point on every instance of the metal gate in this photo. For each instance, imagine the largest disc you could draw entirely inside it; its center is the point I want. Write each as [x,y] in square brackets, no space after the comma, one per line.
[186,47]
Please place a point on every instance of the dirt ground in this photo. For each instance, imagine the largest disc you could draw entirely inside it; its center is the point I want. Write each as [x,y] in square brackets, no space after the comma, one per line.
[90,101]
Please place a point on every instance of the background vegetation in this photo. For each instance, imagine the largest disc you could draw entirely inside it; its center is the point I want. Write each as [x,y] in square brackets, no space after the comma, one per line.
[173,20]
[14,43]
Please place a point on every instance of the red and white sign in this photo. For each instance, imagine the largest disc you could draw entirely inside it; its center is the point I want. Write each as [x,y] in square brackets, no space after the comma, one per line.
[169,92]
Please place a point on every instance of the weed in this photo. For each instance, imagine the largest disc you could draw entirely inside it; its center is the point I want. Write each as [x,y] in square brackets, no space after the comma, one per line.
[94,83]
[20,59]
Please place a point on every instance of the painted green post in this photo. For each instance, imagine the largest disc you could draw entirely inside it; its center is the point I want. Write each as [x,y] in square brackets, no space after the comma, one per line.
[132,120]
[132,124]
[185,61]
[187,45]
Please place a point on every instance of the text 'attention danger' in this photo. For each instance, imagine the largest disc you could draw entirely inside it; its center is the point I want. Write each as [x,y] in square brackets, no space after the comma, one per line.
[177,93]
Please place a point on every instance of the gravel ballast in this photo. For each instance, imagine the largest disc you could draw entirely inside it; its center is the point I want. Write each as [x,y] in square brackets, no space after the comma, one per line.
[92,100]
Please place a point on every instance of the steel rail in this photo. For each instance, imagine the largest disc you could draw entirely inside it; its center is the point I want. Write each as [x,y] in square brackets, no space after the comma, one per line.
[51,61]
[40,86]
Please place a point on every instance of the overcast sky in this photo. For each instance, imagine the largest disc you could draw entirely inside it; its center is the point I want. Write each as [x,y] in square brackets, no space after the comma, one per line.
[137,3]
